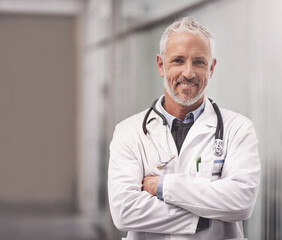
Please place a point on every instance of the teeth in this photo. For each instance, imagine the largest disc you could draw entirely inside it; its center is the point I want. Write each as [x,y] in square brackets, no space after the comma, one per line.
[188,85]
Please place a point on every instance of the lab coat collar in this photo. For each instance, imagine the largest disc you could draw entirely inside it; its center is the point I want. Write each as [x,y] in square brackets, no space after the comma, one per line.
[208,117]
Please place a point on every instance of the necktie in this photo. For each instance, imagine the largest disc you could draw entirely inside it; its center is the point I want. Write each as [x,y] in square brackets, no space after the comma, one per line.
[179,131]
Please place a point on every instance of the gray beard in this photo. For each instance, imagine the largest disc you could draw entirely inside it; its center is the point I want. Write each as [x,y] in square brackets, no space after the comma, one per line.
[181,101]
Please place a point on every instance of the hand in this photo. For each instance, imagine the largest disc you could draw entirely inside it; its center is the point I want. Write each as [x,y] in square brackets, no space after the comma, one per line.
[150,183]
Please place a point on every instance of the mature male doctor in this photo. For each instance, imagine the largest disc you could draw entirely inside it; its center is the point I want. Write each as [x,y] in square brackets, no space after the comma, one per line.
[166,179]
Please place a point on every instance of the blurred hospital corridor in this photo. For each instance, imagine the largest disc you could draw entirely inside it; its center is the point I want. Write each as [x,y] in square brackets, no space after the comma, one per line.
[70,70]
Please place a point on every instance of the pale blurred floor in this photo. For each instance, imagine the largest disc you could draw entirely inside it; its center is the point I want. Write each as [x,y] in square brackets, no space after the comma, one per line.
[47,228]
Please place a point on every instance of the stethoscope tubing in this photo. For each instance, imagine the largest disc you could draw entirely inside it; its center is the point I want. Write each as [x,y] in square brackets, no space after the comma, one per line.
[218,133]
[219,127]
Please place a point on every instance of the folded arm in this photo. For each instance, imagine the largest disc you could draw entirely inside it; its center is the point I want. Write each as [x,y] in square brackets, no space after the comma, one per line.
[134,209]
[231,198]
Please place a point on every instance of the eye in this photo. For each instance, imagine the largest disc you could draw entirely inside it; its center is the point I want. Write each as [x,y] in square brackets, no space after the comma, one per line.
[200,62]
[177,60]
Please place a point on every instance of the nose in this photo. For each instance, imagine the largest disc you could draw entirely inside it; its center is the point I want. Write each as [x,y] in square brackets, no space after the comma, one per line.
[188,70]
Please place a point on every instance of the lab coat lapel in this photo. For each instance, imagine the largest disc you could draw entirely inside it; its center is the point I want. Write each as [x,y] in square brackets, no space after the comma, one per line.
[157,131]
[206,123]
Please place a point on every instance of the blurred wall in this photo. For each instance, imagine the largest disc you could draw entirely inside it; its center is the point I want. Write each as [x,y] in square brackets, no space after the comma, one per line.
[38,113]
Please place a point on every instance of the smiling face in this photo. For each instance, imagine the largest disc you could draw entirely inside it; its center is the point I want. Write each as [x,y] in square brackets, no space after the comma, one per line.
[186,68]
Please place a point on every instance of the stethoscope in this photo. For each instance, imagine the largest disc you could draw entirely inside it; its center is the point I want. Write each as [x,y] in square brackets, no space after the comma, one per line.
[218,148]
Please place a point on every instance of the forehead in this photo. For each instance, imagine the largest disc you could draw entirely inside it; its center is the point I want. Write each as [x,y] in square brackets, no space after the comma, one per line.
[186,42]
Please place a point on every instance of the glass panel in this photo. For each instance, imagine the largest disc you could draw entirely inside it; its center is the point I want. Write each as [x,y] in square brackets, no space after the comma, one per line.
[139,11]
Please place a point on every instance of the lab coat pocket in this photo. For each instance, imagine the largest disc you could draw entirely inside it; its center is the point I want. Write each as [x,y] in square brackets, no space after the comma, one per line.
[203,170]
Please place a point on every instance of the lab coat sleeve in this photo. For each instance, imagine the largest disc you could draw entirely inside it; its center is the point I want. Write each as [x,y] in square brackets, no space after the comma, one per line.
[233,196]
[131,208]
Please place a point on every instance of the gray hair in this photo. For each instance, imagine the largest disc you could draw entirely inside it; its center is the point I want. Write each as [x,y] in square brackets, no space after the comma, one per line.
[188,24]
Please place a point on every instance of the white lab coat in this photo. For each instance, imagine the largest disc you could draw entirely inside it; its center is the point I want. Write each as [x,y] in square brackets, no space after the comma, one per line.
[227,199]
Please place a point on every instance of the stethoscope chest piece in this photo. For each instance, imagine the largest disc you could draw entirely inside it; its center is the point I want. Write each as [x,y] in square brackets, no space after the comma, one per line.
[218,149]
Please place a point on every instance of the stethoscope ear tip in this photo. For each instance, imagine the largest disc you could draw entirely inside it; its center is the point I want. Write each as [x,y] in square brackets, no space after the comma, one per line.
[160,166]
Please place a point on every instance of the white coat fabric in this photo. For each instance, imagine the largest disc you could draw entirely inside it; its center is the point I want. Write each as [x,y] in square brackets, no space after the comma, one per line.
[188,194]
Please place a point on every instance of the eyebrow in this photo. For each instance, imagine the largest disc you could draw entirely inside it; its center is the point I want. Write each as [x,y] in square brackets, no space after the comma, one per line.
[200,58]
[175,57]
[195,58]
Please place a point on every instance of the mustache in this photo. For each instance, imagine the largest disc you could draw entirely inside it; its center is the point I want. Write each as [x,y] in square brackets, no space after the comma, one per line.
[186,80]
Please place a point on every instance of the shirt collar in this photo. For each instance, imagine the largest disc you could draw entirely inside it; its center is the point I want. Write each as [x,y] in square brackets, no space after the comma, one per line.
[191,116]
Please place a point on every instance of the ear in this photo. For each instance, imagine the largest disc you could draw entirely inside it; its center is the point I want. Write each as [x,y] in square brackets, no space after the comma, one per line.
[212,67]
[160,65]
